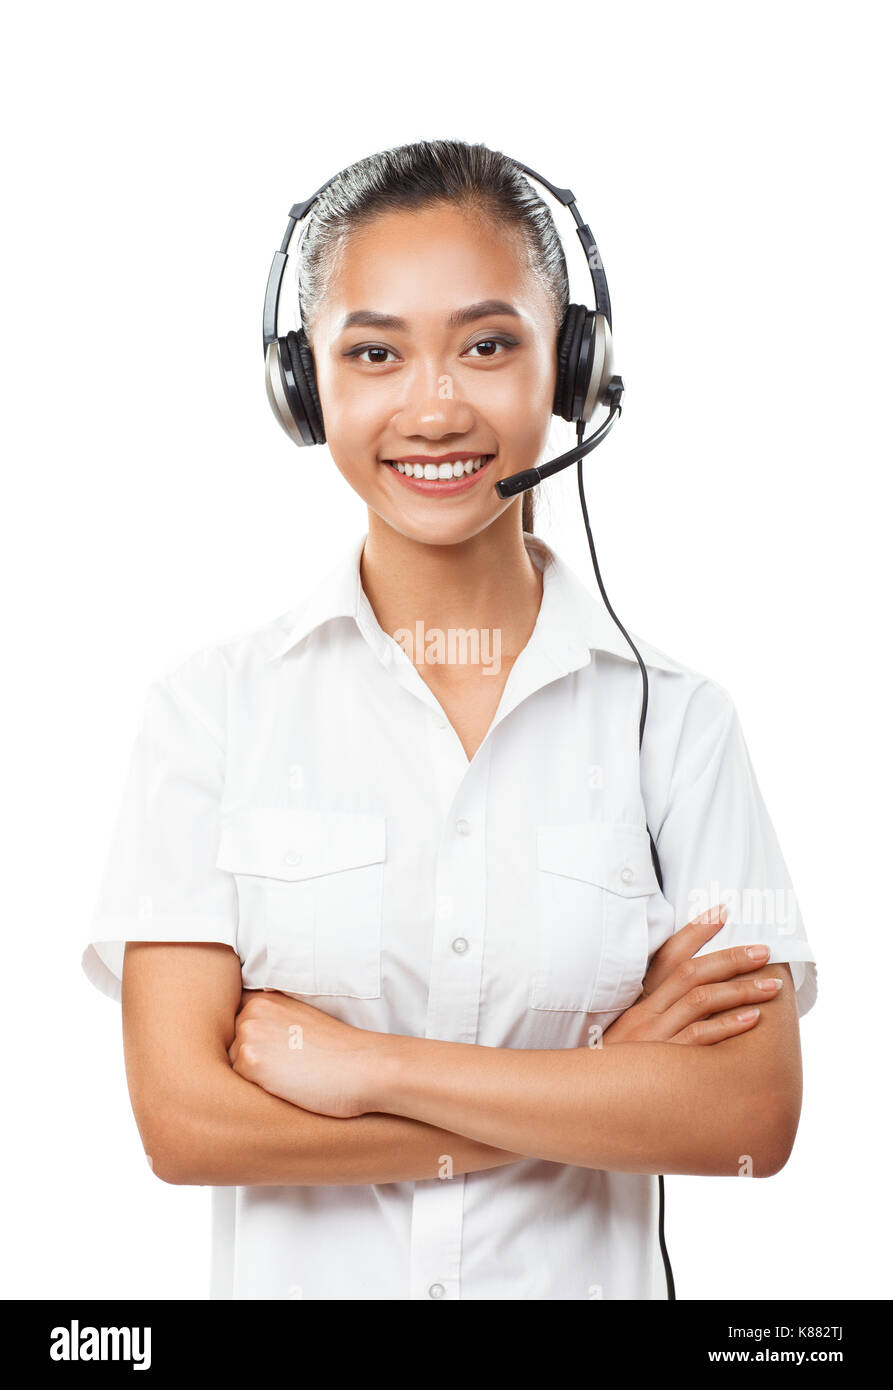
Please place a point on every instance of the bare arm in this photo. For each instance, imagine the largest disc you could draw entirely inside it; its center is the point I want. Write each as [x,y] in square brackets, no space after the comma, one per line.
[637,1107]
[640,1103]
[179,1002]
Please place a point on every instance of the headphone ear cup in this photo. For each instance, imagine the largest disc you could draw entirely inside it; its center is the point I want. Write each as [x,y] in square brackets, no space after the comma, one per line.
[306,395]
[601,369]
[570,342]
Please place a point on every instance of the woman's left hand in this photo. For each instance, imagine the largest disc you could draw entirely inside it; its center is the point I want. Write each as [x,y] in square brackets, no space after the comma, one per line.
[305,1056]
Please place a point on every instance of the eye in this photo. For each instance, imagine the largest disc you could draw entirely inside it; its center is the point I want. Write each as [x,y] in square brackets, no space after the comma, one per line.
[358,352]
[492,347]
[492,343]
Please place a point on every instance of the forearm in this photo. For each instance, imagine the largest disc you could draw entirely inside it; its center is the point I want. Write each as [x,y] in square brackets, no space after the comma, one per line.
[231,1132]
[633,1107]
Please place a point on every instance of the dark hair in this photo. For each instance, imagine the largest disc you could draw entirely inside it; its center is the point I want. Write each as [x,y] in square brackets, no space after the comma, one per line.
[477,179]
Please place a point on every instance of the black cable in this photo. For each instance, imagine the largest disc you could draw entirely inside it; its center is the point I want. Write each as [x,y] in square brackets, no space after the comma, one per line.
[671,1287]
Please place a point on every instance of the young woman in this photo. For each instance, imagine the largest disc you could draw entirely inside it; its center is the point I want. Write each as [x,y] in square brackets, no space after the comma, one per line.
[400,982]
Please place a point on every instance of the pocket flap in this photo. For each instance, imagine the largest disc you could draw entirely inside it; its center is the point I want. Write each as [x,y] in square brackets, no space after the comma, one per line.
[611,855]
[278,842]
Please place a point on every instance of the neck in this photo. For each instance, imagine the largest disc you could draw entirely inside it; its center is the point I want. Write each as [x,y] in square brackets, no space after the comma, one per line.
[486,582]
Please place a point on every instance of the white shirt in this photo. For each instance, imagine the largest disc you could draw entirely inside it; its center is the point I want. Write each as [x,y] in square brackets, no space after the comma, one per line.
[299,794]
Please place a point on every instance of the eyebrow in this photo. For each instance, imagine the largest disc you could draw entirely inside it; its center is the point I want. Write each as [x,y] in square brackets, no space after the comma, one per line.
[370,318]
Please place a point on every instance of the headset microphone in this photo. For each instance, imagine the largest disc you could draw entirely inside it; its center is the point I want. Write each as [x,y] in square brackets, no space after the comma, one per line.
[520,482]
[585,380]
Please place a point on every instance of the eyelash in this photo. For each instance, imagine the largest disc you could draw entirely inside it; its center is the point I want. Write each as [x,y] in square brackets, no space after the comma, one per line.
[379,347]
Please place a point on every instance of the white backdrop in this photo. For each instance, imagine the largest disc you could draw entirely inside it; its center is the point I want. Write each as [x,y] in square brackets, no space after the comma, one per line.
[730,162]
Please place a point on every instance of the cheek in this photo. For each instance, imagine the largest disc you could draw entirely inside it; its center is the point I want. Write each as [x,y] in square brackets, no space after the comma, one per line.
[354,423]
[343,401]
[519,400]
[519,409]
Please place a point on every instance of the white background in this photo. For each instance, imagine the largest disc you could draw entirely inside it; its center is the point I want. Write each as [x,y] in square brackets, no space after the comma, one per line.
[733,165]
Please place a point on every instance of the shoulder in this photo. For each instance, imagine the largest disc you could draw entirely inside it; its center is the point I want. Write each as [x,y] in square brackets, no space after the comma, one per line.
[682,692]
[202,680]
[691,720]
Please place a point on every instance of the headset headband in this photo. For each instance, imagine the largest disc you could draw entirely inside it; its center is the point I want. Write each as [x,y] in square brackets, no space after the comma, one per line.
[562,195]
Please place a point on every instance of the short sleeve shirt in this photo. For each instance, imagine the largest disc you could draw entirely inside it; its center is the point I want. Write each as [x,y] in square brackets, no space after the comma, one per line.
[299,794]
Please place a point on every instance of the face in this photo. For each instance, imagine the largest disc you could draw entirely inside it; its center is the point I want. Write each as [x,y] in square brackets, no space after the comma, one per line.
[435,345]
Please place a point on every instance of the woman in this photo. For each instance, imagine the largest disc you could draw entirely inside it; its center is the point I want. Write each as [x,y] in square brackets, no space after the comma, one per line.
[399,978]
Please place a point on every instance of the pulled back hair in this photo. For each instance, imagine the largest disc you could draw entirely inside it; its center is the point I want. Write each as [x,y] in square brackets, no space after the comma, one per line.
[478,180]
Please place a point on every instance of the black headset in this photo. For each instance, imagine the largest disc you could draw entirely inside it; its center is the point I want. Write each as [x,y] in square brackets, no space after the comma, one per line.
[585,380]
[585,377]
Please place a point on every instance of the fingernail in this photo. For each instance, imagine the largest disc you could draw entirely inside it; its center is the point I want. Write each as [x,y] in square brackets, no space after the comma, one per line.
[769,984]
[748,1013]
[758,952]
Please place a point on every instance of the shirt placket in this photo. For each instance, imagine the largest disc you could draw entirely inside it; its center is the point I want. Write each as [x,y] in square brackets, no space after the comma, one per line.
[457,955]
[454,987]
[454,999]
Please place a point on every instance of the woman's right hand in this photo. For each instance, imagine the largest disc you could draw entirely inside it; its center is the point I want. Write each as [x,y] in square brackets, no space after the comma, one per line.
[695,1001]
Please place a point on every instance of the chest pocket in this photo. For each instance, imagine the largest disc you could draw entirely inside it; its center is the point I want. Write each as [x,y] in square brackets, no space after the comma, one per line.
[310,898]
[591,933]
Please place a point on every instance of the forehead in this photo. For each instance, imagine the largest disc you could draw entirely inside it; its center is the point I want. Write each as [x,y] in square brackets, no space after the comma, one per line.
[428,261]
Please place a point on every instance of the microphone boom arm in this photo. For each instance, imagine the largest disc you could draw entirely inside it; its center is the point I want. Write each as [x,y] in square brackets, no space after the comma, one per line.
[520,482]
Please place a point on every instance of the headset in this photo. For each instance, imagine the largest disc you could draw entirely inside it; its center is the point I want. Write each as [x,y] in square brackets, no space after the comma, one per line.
[585,381]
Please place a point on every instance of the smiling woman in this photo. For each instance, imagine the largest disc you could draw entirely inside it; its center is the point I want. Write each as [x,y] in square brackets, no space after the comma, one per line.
[434,224]
[447,367]
[389,930]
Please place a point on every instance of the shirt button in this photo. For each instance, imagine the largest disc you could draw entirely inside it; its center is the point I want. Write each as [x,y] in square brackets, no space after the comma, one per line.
[293,857]
[462,827]
[460,945]
[436,1291]
[627,875]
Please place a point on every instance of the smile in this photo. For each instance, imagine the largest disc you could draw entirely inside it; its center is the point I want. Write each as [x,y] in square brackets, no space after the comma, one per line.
[446,476]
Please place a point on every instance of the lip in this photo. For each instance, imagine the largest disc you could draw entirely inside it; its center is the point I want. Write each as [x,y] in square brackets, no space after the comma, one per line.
[435,486]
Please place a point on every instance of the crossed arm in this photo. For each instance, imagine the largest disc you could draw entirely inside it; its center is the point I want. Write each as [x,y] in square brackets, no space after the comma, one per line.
[635,1106]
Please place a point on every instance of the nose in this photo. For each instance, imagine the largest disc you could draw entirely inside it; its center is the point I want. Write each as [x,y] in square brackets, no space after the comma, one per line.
[431,408]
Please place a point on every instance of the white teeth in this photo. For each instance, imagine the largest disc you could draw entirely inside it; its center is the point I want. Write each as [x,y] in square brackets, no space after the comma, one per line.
[443,471]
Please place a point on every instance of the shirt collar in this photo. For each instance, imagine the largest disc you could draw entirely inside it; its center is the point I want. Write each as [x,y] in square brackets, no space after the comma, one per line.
[572,621]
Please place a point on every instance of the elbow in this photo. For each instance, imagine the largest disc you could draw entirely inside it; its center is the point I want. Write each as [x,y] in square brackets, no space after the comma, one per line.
[173,1170]
[169,1153]
[786,1124]
[768,1134]
[163,1169]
